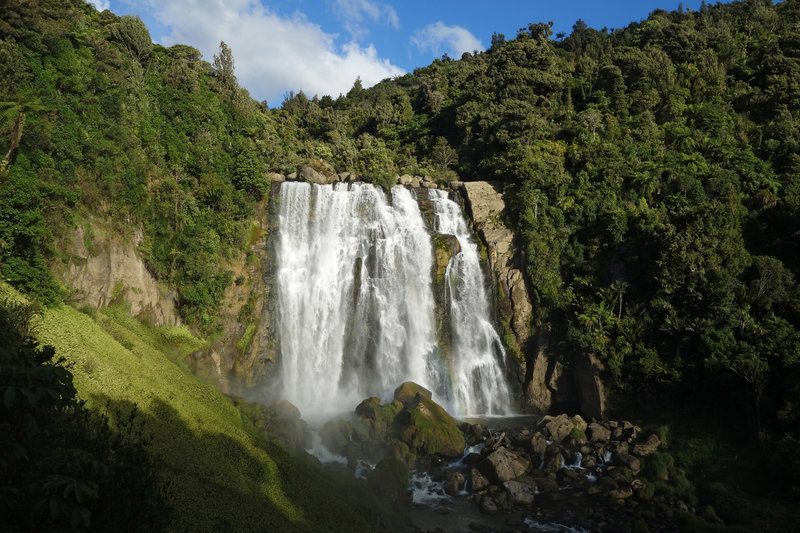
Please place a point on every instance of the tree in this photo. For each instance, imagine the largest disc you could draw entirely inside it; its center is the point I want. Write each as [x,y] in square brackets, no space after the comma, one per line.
[14,113]
[443,155]
[133,35]
[223,67]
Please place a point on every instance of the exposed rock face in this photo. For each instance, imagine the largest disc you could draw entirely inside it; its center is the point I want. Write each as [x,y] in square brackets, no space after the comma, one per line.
[246,352]
[593,397]
[112,272]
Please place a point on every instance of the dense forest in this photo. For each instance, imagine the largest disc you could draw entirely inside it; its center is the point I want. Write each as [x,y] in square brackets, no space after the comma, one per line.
[652,172]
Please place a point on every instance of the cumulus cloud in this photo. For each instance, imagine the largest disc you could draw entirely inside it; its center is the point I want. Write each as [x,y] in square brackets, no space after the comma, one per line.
[272,54]
[100,5]
[354,13]
[439,37]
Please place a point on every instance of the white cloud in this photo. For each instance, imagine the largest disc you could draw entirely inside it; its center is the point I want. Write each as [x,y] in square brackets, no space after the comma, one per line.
[272,54]
[439,37]
[100,5]
[354,13]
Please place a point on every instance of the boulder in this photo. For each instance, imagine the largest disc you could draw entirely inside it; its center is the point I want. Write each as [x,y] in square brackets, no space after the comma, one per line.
[454,483]
[503,465]
[352,178]
[344,176]
[559,427]
[455,185]
[478,481]
[427,179]
[597,432]
[519,493]
[415,182]
[425,426]
[629,461]
[546,484]
[292,176]
[307,173]
[650,445]
[538,445]
[429,185]
[405,179]
[389,480]
[274,177]
[407,393]
[488,505]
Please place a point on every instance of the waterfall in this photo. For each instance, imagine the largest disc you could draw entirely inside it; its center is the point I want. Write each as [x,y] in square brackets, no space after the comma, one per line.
[479,385]
[356,308]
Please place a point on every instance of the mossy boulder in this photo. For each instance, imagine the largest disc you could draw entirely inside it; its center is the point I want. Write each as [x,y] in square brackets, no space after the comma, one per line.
[429,430]
[389,480]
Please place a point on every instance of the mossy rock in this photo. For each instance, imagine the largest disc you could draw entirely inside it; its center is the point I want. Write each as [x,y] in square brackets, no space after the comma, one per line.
[428,429]
[376,417]
[389,480]
[408,391]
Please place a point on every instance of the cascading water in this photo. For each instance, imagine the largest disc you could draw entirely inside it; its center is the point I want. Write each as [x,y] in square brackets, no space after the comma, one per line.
[356,308]
[479,385]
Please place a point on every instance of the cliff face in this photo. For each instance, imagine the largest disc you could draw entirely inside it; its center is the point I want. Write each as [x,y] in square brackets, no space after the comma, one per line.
[548,384]
[103,271]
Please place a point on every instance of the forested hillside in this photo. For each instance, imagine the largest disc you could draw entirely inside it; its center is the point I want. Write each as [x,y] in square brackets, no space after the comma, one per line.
[653,173]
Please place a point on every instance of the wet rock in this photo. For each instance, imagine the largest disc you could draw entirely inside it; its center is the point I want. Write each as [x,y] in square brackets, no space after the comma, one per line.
[454,483]
[579,423]
[648,446]
[352,178]
[519,493]
[344,176]
[588,462]
[408,391]
[597,432]
[474,434]
[503,465]
[552,463]
[566,476]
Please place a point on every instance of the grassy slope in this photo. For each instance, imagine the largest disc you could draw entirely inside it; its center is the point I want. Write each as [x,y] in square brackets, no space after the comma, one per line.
[223,475]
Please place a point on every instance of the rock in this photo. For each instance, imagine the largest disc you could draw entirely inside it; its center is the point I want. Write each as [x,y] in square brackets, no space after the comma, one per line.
[285,409]
[579,422]
[405,179]
[552,463]
[455,185]
[550,385]
[112,273]
[538,445]
[648,446]
[407,393]
[474,434]
[292,176]
[429,185]
[307,173]
[415,182]
[589,373]
[478,481]
[519,493]
[566,476]
[454,483]
[596,432]
[588,462]
[488,505]
[503,465]
[484,201]
[344,176]
[620,494]
[389,480]
[425,426]
[559,427]
[274,177]
[352,178]
[546,484]
[427,179]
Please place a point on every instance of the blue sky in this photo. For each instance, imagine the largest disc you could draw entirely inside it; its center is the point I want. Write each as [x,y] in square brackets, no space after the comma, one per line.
[321,46]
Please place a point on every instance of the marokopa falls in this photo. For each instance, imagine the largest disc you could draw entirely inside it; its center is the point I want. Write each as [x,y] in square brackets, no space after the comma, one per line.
[356,305]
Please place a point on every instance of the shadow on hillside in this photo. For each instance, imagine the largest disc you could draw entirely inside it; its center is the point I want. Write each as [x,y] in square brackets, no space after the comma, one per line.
[215,483]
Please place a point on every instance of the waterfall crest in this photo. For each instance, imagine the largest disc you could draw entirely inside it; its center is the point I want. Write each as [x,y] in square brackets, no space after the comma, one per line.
[356,307]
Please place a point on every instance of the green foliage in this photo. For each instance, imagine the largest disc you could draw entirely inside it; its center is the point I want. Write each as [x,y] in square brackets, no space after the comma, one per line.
[133,35]
[64,467]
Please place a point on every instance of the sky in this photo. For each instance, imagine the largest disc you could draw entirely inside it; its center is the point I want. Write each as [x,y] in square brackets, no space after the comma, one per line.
[321,46]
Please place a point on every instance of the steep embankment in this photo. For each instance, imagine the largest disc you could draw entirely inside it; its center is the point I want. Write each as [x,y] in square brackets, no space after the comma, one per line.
[221,474]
